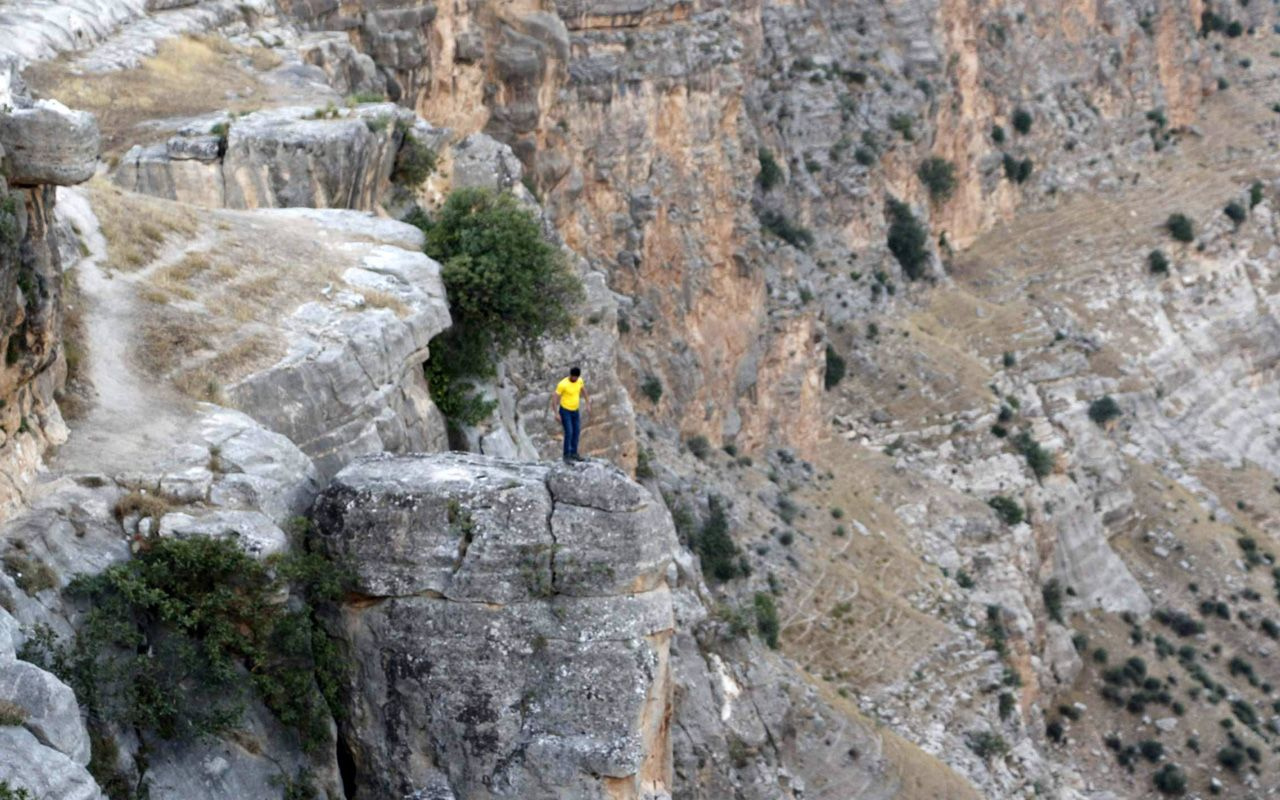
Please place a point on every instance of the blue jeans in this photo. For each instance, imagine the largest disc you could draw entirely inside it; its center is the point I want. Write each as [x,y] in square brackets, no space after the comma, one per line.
[572,425]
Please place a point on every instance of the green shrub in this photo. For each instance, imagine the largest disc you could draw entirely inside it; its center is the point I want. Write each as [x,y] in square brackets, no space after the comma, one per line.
[1007,509]
[1255,193]
[1231,757]
[770,174]
[1100,655]
[964,579]
[903,124]
[1104,409]
[1017,170]
[1052,594]
[1157,262]
[414,163]
[938,176]
[367,97]
[1235,29]
[1022,121]
[1151,750]
[652,388]
[1180,227]
[908,240]
[507,286]
[699,446]
[176,637]
[997,134]
[865,156]
[644,464]
[987,744]
[1038,459]
[834,370]
[1006,704]
[1235,212]
[1055,730]
[1170,779]
[790,232]
[767,619]
[715,546]
[10,792]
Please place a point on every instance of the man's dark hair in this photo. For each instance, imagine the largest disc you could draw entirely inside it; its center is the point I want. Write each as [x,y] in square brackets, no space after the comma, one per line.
[575,372]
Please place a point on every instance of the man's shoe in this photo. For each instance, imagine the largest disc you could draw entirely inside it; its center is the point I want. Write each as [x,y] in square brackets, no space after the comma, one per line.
[568,459]
[577,457]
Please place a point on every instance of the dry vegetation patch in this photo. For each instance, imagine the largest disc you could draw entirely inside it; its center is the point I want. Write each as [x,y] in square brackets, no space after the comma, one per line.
[188,76]
[138,227]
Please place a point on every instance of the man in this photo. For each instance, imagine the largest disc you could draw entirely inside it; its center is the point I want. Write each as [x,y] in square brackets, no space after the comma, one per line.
[570,394]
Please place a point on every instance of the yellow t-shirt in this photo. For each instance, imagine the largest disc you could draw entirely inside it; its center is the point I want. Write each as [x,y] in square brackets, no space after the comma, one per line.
[569,392]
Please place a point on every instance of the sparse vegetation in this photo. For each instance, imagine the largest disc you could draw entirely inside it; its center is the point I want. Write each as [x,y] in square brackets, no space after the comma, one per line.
[1170,779]
[1255,193]
[29,573]
[987,745]
[908,240]
[903,124]
[1038,459]
[767,618]
[1158,262]
[785,229]
[997,134]
[10,792]
[507,287]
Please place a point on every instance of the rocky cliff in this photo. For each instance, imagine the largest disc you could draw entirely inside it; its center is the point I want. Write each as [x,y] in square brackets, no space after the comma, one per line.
[957,441]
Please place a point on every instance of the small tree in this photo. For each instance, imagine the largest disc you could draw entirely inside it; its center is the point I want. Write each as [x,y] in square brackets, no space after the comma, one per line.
[1180,227]
[1255,193]
[1104,409]
[507,286]
[1170,779]
[908,240]
[1236,213]
[767,619]
[1158,262]
[652,388]
[414,163]
[938,176]
[997,134]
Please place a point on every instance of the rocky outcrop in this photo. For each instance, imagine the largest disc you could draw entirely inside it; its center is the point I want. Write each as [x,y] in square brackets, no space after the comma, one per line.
[42,145]
[511,627]
[279,158]
[352,383]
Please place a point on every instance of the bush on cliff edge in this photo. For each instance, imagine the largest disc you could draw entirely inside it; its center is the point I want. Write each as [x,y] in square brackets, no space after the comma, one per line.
[507,286]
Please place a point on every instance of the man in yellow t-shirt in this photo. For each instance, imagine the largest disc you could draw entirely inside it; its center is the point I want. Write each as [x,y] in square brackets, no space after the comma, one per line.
[570,395]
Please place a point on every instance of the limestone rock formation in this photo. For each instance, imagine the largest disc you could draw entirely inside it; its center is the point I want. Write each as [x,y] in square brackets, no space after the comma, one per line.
[512,629]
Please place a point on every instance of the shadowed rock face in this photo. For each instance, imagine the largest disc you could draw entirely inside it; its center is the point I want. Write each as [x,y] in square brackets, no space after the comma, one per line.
[511,630]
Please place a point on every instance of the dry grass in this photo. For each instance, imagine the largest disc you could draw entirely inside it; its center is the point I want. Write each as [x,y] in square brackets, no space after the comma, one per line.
[137,227]
[144,504]
[72,398]
[374,298]
[11,714]
[188,76]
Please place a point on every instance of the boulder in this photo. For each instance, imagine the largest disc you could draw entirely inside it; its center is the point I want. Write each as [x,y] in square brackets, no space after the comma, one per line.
[47,774]
[47,143]
[52,713]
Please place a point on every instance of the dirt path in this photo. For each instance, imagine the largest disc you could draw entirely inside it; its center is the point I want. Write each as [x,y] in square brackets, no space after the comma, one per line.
[132,420]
